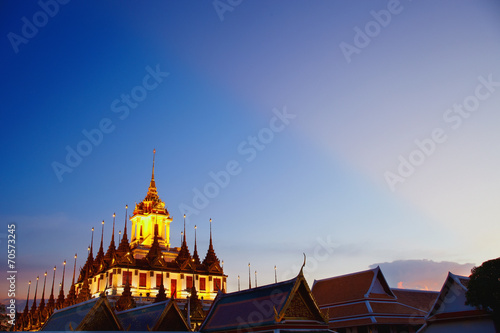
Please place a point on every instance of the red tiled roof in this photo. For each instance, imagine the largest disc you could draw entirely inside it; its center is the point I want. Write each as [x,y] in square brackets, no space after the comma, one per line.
[365,298]
[384,296]
[343,288]
[395,308]
[459,315]
[346,310]
[401,321]
[351,323]
[423,300]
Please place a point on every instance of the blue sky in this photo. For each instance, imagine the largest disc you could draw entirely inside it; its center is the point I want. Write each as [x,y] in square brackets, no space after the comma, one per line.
[332,180]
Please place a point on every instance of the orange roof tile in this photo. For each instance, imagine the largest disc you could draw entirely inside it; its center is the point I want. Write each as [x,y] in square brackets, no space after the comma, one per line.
[394,308]
[419,299]
[346,310]
[342,288]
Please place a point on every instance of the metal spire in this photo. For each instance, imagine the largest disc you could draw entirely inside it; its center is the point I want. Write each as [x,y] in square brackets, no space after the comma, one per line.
[125,228]
[153,173]
[33,306]
[27,298]
[74,270]
[184,239]
[92,241]
[64,271]
[249,278]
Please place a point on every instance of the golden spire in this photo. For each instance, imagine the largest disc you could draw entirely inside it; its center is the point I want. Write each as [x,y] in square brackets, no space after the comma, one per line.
[153,173]
[152,194]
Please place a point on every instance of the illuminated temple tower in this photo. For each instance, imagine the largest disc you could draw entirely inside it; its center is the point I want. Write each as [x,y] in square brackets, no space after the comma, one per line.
[149,261]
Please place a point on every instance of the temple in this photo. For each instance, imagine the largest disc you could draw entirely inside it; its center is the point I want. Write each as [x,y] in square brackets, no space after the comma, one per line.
[149,260]
[138,272]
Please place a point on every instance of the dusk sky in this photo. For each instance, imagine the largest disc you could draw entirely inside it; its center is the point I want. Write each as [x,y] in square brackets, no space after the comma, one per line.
[360,133]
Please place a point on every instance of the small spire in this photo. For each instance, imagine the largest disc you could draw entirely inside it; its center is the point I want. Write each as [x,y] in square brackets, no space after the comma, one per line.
[27,299]
[184,241]
[33,306]
[210,231]
[113,234]
[184,252]
[98,262]
[249,278]
[275,275]
[196,257]
[70,300]
[211,257]
[102,235]
[124,246]
[239,288]
[92,242]
[112,248]
[51,302]
[60,298]
[152,194]
[74,271]
[42,301]
[125,228]
[153,173]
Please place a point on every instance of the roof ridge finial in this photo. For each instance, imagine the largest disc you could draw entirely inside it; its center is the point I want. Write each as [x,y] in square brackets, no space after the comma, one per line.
[303,265]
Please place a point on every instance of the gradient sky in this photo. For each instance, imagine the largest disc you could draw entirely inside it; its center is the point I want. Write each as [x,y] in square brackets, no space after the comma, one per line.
[317,186]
